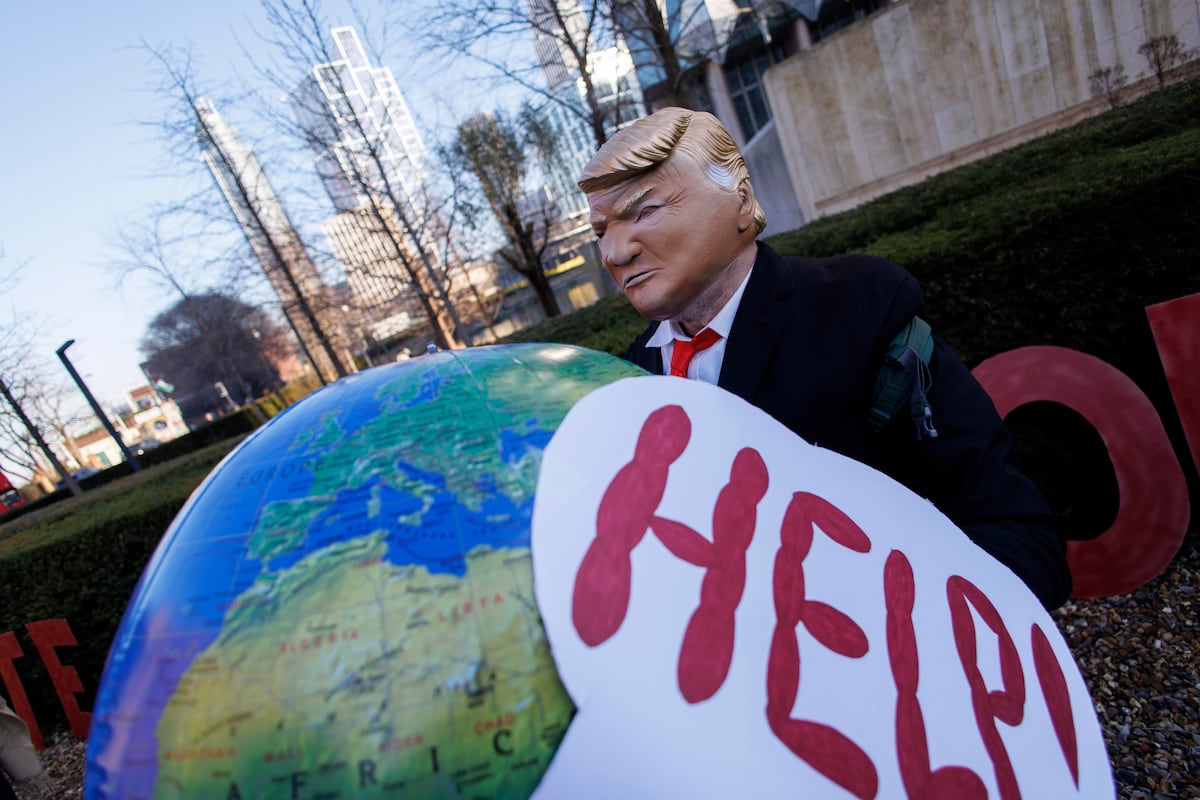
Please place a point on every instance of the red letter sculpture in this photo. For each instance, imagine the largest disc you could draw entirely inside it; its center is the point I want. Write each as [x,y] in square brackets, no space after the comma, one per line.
[1153,512]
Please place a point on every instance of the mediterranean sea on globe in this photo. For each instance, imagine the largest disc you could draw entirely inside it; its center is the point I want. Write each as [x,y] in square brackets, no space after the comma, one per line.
[345,607]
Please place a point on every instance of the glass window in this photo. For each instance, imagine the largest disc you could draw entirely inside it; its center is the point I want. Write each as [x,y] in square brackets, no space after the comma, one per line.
[349,45]
[384,82]
[758,107]
[379,111]
[747,75]
[394,140]
[743,113]
[329,80]
[345,81]
[366,80]
[746,91]
[837,14]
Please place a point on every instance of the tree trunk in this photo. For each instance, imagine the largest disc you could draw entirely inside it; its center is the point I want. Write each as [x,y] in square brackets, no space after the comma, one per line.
[545,294]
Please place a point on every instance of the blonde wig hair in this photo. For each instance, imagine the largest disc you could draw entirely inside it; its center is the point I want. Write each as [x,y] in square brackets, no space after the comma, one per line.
[651,140]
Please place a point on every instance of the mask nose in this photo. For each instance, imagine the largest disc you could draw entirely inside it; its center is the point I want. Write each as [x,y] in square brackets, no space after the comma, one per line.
[617,251]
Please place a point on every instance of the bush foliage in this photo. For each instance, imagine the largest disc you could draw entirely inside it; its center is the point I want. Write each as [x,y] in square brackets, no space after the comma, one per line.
[609,324]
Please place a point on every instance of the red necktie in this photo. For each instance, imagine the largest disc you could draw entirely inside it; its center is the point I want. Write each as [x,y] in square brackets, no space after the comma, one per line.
[684,349]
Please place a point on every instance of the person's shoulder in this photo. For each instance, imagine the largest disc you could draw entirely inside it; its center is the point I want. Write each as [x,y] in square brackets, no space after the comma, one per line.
[638,353]
[854,268]
[856,275]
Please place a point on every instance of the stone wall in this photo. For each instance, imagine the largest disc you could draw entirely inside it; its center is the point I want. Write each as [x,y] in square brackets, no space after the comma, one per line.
[772,187]
[927,85]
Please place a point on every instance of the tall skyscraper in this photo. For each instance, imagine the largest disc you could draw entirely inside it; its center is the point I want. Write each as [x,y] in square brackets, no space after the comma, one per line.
[302,294]
[355,116]
[560,26]
[371,161]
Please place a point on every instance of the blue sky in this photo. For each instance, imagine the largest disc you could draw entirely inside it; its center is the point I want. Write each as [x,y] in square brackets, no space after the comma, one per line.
[76,165]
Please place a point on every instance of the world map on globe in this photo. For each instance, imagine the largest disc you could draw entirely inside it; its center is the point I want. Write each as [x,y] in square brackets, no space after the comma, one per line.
[345,607]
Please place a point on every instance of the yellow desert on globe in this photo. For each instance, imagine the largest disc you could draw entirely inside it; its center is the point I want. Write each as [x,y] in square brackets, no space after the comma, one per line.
[345,607]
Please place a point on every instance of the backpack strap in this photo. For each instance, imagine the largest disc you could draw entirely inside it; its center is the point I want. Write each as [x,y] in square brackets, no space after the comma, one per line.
[903,379]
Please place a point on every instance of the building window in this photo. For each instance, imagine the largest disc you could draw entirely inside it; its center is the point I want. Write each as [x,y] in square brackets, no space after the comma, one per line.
[348,43]
[837,14]
[746,92]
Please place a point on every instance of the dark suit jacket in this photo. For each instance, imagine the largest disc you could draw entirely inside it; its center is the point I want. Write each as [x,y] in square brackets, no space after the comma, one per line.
[805,347]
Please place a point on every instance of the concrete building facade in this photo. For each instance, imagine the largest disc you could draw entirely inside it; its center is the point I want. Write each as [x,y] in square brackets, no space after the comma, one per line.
[922,86]
[834,102]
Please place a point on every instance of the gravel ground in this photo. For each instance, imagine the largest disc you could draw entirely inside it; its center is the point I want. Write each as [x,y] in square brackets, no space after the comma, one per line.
[1137,652]
[63,759]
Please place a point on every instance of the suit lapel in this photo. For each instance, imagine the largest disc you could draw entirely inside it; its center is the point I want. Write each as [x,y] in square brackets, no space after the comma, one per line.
[648,358]
[758,325]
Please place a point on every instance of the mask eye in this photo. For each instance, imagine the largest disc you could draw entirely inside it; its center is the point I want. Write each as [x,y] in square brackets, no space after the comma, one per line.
[647,211]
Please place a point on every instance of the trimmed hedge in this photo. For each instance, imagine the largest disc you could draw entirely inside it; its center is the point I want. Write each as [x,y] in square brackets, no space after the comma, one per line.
[610,324]
[1162,114]
[81,559]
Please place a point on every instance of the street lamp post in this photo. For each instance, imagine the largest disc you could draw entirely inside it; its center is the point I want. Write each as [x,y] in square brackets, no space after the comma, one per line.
[63,472]
[62,356]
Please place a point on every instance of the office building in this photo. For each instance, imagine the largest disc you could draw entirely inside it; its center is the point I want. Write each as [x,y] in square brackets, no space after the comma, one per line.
[372,162]
[302,293]
[560,32]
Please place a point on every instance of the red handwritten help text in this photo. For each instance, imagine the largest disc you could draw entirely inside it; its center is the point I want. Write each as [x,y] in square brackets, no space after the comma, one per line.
[601,594]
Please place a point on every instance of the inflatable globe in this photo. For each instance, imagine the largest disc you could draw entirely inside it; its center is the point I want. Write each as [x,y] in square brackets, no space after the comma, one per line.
[345,606]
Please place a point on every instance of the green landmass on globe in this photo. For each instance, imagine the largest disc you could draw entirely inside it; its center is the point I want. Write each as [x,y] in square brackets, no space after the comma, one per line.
[345,608]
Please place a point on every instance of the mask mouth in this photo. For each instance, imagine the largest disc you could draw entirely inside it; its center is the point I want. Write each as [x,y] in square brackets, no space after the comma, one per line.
[634,278]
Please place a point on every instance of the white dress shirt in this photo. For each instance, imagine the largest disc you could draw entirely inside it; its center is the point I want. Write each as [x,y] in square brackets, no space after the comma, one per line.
[706,364]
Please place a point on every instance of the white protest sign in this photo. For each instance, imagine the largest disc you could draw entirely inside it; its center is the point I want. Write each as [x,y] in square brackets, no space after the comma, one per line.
[737,613]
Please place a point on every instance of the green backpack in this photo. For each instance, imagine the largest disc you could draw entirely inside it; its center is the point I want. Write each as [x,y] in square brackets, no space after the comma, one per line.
[904,378]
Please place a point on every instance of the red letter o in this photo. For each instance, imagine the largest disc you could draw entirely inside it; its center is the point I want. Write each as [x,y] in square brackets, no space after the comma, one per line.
[1152,513]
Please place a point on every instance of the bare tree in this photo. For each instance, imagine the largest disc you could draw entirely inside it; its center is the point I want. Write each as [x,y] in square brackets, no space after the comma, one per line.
[464,236]
[393,224]
[495,36]
[38,401]
[208,339]
[493,148]
[25,441]
[169,246]
[40,419]
[1108,82]
[152,248]
[675,38]
[250,204]
[1161,54]
[669,40]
